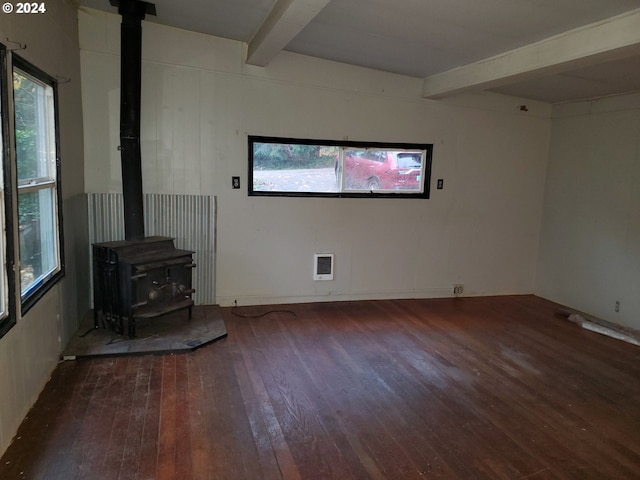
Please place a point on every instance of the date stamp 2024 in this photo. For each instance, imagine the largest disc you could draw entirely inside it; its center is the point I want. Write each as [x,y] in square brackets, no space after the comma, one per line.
[24,7]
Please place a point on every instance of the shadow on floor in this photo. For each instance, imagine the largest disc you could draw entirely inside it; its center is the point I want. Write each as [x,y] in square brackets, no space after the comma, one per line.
[171,333]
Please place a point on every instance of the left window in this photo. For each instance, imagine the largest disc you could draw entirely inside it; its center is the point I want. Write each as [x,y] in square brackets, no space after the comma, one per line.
[7,310]
[38,180]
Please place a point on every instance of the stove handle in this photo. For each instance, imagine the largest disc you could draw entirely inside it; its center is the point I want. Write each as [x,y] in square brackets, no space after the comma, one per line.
[190,265]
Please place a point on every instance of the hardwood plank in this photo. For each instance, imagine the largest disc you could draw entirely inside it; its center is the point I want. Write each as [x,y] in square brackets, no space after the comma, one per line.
[197,413]
[278,444]
[93,438]
[342,372]
[148,457]
[260,444]
[397,394]
[166,468]
[66,405]
[123,402]
[183,459]
[299,405]
[469,388]
[134,430]
[53,423]
[228,425]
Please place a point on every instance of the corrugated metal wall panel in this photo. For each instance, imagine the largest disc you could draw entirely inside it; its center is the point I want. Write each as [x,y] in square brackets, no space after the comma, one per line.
[190,219]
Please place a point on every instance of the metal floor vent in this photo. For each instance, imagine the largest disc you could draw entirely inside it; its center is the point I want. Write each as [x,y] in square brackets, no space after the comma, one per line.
[323,266]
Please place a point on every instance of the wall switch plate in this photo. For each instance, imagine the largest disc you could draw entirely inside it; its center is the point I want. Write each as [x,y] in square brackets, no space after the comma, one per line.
[440,184]
[235,182]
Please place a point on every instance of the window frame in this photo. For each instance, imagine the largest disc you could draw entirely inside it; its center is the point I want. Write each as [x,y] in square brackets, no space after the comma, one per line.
[427,147]
[8,316]
[37,290]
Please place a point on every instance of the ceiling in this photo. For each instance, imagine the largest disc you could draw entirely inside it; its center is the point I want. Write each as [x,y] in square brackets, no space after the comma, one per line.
[549,50]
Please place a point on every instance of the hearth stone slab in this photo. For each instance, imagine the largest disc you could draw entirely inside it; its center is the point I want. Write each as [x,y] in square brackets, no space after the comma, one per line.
[171,333]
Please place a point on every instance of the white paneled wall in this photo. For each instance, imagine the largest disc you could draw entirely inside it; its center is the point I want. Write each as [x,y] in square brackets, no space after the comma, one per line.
[589,256]
[199,103]
[30,350]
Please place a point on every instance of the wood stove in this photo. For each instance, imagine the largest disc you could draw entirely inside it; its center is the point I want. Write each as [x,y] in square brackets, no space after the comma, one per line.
[138,277]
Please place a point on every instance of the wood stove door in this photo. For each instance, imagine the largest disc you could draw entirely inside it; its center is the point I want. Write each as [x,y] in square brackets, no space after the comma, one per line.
[159,288]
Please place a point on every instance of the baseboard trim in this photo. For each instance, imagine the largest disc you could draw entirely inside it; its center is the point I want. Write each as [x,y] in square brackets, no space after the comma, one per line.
[258,299]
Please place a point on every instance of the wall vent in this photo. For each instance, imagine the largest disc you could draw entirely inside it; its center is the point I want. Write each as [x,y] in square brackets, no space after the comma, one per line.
[323,266]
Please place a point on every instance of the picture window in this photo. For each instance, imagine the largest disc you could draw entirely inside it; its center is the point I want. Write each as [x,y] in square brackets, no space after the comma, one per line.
[325,168]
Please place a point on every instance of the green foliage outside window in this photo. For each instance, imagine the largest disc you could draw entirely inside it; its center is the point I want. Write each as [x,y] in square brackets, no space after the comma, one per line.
[278,156]
[25,99]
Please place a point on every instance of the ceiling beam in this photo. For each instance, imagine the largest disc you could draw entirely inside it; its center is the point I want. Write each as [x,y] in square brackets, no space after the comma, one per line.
[610,39]
[285,20]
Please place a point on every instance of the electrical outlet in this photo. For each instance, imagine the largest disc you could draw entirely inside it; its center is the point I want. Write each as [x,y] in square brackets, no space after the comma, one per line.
[458,289]
[617,307]
[235,182]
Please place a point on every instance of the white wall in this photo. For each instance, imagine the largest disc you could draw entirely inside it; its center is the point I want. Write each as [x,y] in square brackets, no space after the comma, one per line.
[30,350]
[199,103]
[590,240]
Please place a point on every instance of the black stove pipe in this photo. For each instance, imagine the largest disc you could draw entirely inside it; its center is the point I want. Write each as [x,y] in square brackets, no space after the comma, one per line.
[132,12]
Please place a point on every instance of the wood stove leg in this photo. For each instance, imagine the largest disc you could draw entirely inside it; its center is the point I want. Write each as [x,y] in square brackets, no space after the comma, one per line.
[190,312]
[131,321]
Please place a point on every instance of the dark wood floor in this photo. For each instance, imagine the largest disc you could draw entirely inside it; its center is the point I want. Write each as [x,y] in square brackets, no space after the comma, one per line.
[495,388]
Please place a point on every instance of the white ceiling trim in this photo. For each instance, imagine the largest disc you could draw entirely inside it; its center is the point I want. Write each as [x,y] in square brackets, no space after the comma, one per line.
[285,20]
[610,39]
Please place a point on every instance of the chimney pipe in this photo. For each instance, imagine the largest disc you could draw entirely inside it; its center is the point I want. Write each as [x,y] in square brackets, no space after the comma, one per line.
[132,12]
